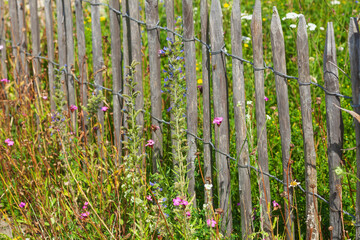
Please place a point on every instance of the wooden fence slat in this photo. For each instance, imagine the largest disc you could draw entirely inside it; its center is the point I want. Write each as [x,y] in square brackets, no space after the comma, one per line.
[335,131]
[35,38]
[204,15]
[116,72]
[220,95]
[152,17]
[136,56]
[14,29]
[62,46]
[98,62]
[312,221]
[2,41]
[240,123]
[50,49]
[354,52]
[191,92]
[24,66]
[278,49]
[264,185]
[70,60]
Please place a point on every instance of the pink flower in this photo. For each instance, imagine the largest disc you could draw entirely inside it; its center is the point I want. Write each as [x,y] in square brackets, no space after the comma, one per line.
[73,108]
[104,109]
[9,142]
[211,222]
[22,204]
[44,97]
[150,143]
[85,205]
[149,198]
[4,80]
[218,121]
[275,204]
[188,214]
[177,201]
[184,202]
[266,99]
[155,127]
[84,215]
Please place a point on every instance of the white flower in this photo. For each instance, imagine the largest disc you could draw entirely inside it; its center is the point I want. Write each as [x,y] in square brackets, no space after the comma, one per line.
[249,102]
[294,183]
[205,206]
[292,25]
[311,26]
[247,116]
[268,117]
[245,39]
[1,47]
[247,17]
[334,2]
[313,79]
[291,15]
[322,29]
[208,186]
[340,49]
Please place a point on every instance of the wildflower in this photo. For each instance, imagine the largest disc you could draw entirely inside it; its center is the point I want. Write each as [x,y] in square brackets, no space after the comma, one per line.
[149,198]
[335,2]
[85,205]
[311,26]
[102,19]
[188,214]
[294,183]
[9,142]
[177,201]
[44,97]
[4,80]
[199,81]
[1,47]
[249,102]
[340,49]
[292,25]
[152,183]
[208,186]
[150,143]
[84,215]
[104,109]
[268,117]
[211,222]
[291,15]
[238,204]
[247,17]
[184,202]
[218,121]
[226,5]
[245,39]
[73,108]
[161,52]
[276,205]
[266,98]
[154,127]
[22,204]
[322,28]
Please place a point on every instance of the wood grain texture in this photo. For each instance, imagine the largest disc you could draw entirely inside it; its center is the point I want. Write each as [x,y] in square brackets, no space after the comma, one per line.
[24,66]
[3,60]
[335,131]
[240,123]
[14,30]
[278,50]
[191,92]
[220,95]
[81,44]
[354,52]
[312,225]
[264,186]
[152,18]
[49,22]
[35,39]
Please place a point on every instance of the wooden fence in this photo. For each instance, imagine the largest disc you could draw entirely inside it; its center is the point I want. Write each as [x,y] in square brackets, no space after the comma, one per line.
[126,48]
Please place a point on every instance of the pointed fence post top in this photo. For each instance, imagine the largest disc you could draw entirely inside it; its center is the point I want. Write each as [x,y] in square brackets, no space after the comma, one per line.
[330,47]
[301,33]
[276,28]
[256,17]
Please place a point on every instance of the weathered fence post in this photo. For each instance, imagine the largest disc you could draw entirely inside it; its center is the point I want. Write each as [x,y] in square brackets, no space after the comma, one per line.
[80,34]
[221,110]
[354,52]
[117,80]
[2,41]
[264,183]
[50,49]
[152,18]
[334,126]
[98,64]
[240,123]
[312,220]
[278,49]
[204,15]
[24,66]
[191,92]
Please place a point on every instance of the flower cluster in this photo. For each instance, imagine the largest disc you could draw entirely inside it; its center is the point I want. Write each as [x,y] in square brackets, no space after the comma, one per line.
[211,222]
[179,201]
[9,142]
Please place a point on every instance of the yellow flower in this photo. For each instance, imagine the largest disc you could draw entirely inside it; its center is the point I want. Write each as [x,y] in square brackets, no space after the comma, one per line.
[226,5]
[102,19]
[246,45]
[88,19]
[264,19]
[199,81]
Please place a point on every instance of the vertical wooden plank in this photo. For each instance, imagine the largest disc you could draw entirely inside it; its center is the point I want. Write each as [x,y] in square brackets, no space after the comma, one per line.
[3,73]
[80,34]
[312,220]
[152,17]
[334,126]
[117,81]
[204,15]
[264,183]
[14,37]
[240,123]
[62,46]
[98,62]
[354,52]
[50,49]
[24,66]
[136,56]
[278,49]
[70,60]
[221,110]
[191,92]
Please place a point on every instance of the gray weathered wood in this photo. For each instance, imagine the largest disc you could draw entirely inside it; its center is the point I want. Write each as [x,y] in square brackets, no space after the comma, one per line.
[354,52]
[204,15]
[264,184]
[70,60]
[98,63]
[80,34]
[24,66]
[62,46]
[312,220]
[191,92]
[50,49]
[240,123]
[334,126]
[136,56]
[278,49]
[116,72]
[3,68]
[152,17]
[14,29]
[221,110]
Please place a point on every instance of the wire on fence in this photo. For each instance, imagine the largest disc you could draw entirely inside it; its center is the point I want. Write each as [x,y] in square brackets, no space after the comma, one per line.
[222,50]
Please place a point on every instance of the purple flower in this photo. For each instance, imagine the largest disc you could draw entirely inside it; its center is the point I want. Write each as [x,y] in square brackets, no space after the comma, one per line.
[150,143]
[73,108]
[9,142]
[177,201]
[218,121]
[22,204]
[149,198]
[275,204]
[4,80]
[104,109]
[266,99]
[188,214]
[211,222]
[84,215]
